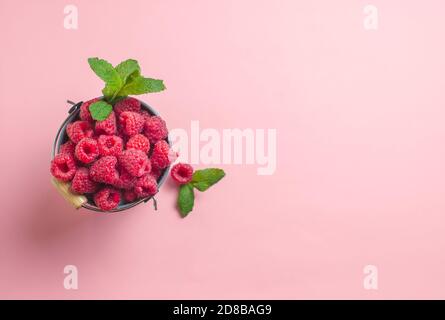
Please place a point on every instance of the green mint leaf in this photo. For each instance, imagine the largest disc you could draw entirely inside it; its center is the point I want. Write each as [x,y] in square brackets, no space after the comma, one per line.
[186,199]
[133,76]
[204,179]
[127,68]
[105,71]
[141,85]
[109,91]
[100,110]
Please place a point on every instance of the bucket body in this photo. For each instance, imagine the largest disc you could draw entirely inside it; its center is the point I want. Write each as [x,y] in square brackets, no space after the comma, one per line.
[62,137]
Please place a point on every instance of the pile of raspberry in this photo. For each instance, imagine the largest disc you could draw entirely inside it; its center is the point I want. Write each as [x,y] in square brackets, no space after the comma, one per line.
[117,160]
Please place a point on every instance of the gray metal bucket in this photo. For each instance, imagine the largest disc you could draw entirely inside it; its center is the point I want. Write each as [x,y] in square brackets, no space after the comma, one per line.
[61,137]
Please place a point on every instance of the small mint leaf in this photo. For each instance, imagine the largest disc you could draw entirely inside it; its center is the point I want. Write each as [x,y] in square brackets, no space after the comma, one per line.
[141,85]
[204,179]
[106,71]
[100,110]
[127,68]
[186,199]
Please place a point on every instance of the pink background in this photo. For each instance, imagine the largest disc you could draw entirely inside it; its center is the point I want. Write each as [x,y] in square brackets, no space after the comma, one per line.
[360,122]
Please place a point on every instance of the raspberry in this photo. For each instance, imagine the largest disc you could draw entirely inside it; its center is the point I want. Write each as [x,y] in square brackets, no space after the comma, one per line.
[85,110]
[128,104]
[68,147]
[145,114]
[129,195]
[110,145]
[78,130]
[155,129]
[139,142]
[120,133]
[86,150]
[135,162]
[82,183]
[156,172]
[160,156]
[107,199]
[182,173]
[145,186]
[131,122]
[107,126]
[63,167]
[147,168]
[104,170]
[125,181]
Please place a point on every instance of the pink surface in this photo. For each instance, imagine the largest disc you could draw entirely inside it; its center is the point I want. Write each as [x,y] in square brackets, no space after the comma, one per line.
[360,134]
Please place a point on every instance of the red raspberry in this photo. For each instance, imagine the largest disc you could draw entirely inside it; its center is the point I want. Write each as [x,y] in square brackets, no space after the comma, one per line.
[155,129]
[104,170]
[182,173]
[86,150]
[82,183]
[125,181]
[147,168]
[110,145]
[139,142]
[119,130]
[78,130]
[145,186]
[129,195]
[107,126]
[120,133]
[128,104]
[145,114]
[107,199]
[135,162]
[63,167]
[131,122]
[156,172]
[85,114]
[160,156]
[68,147]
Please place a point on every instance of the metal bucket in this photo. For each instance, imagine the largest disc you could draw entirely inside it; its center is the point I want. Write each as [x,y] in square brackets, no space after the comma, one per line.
[61,137]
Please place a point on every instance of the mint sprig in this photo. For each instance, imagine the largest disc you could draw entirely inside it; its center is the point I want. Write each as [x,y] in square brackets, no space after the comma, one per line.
[123,80]
[202,180]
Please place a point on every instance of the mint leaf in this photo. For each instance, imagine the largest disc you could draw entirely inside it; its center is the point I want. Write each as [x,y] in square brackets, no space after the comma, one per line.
[204,179]
[127,68]
[105,71]
[102,68]
[141,85]
[100,110]
[133,76]
[186,199]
